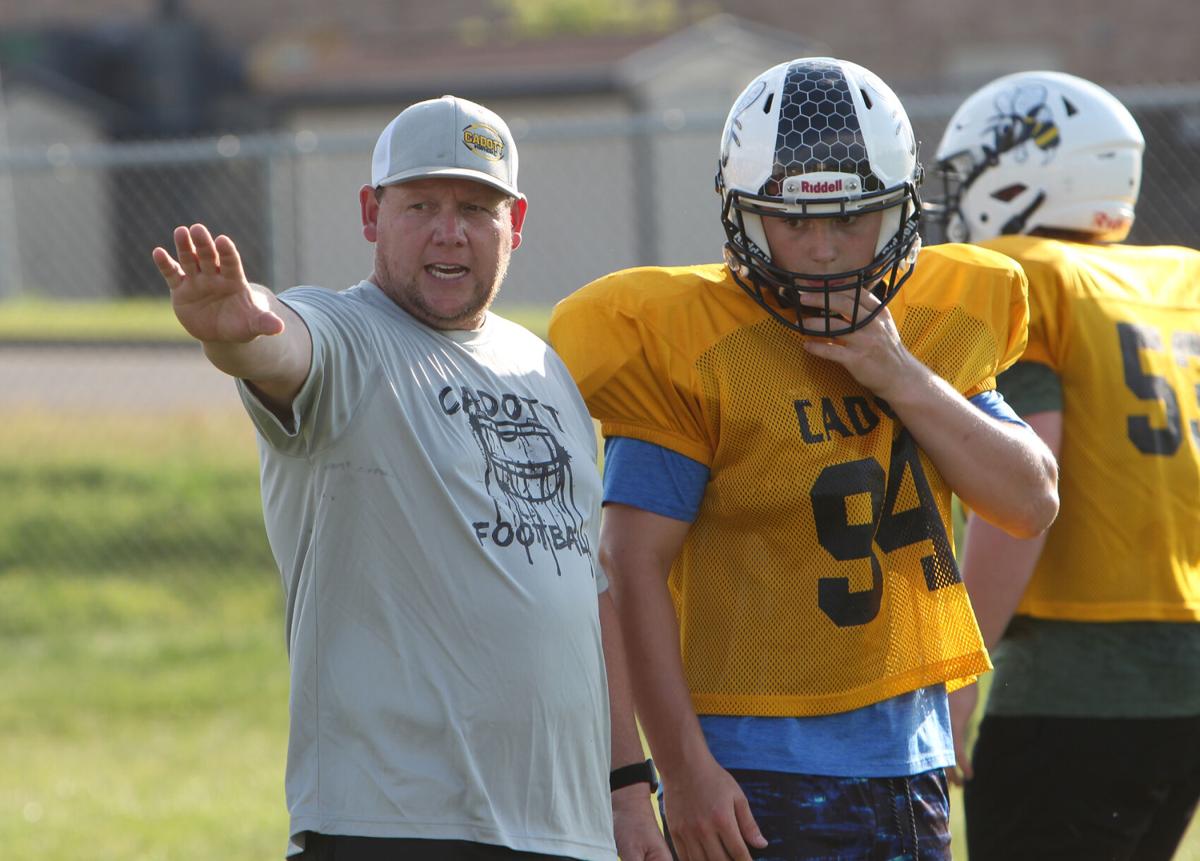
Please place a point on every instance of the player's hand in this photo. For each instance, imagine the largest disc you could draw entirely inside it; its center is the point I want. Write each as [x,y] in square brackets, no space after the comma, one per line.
[209,291]
[709,817]
[874,355]
[634,826]
[962,706]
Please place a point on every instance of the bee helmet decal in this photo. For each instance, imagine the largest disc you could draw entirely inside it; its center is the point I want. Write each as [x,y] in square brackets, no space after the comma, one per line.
[1039,150]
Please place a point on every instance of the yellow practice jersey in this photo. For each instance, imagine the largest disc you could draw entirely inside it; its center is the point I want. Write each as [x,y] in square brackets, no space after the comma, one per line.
[819,575]
[1120,325]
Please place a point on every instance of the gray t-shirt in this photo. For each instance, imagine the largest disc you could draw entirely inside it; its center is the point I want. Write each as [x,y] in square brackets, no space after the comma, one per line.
[433,506]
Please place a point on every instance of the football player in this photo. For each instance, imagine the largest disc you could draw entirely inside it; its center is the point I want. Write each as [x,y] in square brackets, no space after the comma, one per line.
[1090,745]
[783,434]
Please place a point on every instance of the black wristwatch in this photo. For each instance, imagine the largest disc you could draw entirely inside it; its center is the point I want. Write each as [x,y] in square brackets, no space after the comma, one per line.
[627,775]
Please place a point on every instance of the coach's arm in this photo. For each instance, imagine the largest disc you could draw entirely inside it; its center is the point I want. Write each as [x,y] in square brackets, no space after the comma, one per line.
[634,826]
[246,332]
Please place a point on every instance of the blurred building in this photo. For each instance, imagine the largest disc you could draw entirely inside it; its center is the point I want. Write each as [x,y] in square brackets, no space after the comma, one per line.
[615,106]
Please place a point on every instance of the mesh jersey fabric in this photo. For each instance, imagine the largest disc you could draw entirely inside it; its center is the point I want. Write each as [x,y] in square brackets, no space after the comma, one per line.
[1120,326]
[819,576]
[903,735]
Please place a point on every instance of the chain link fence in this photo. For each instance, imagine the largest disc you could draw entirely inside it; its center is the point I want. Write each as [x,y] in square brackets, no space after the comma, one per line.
[78,222]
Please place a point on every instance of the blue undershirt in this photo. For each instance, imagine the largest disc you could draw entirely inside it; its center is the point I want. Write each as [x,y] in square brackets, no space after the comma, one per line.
[904,735]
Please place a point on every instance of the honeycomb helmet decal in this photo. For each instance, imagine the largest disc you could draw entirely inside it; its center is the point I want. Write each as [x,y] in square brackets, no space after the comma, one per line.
[818,130]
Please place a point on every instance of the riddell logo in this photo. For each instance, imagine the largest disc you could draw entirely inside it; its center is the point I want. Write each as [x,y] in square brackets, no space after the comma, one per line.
[824,186]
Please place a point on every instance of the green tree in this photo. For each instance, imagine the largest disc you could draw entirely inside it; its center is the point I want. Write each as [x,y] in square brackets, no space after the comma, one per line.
[546,18]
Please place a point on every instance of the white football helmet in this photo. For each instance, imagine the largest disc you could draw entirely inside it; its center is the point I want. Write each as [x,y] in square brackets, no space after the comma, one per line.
[810,138]
[1040,150]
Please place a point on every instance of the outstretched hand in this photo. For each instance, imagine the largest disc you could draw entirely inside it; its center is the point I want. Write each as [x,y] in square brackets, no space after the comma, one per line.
[209,291]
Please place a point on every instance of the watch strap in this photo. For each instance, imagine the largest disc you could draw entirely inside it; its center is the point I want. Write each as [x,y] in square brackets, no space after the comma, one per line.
[638,772]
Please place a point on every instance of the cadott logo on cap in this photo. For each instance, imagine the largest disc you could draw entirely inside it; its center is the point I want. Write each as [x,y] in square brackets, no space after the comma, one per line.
[484,141]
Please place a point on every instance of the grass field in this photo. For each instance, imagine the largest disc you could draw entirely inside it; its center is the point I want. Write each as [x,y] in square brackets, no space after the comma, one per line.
[142,319]
[144,708]
[144,705]
[129,319]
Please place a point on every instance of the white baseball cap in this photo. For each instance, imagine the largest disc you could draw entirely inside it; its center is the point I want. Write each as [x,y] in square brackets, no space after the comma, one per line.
[446,138]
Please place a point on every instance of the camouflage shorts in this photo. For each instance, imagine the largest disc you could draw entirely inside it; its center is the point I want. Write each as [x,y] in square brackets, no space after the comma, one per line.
[848,818]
